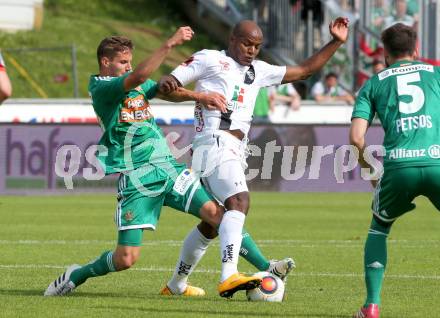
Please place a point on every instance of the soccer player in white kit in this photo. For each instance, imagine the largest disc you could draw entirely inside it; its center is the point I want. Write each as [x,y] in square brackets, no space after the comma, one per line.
[220,138]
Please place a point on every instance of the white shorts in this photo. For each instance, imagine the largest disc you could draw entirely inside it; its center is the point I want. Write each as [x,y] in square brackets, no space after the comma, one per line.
[227,179]
[220,160]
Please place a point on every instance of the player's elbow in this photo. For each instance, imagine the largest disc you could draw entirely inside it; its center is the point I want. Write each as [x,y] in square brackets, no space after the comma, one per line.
[304,72]
[357,140]
[5,94]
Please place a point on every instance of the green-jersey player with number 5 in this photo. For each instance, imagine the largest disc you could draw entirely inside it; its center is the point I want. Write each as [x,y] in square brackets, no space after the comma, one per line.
[406,99]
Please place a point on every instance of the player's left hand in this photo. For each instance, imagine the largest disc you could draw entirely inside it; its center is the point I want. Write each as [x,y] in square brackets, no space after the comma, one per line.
[168,84]
[213,101]
[182,35]
[339,29]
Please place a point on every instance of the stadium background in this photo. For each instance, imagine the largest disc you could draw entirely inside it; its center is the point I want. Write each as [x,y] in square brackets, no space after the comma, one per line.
[49,57]
[50,64]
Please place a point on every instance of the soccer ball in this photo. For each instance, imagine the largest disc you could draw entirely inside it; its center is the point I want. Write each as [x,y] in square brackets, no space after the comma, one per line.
[271,289]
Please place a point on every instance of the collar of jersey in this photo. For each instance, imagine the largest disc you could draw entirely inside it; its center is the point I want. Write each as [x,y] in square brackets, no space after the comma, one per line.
[400,62]
[225,52]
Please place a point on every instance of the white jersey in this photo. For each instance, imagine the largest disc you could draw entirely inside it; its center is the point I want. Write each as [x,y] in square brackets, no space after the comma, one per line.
[214,71]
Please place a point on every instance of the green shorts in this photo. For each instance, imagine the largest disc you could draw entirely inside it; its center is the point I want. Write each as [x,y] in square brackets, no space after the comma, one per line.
[397,189]
[141,195]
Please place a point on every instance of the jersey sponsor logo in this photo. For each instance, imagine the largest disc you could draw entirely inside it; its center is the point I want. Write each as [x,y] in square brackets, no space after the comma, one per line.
[237,98]
[238,94]
[135,109]
[103,78]
[401,153]
[434,151]
[413,122]
[188,61]
[404,70]
[184,181]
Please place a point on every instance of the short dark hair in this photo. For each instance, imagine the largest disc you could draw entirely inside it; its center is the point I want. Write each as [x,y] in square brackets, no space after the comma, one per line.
[331,74]
[399,40]
[112,45]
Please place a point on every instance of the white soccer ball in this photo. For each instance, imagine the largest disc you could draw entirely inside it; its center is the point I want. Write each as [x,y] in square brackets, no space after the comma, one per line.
[271,289]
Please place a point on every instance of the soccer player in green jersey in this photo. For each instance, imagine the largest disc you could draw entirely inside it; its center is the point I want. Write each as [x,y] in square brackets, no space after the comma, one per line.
[134,146]
[405,97]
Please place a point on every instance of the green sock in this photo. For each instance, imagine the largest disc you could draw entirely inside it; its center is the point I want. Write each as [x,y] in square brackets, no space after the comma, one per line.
[375,260]
[250,251]
[99,267]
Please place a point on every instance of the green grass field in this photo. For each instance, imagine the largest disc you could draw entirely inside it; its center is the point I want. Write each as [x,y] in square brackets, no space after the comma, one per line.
[324,233]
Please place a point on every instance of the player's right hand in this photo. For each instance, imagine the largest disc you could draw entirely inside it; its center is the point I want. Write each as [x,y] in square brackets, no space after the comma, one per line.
[213,101]
[182,35]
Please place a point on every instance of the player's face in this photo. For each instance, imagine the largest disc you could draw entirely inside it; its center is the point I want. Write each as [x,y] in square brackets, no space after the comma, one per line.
[120,64]
[246,48]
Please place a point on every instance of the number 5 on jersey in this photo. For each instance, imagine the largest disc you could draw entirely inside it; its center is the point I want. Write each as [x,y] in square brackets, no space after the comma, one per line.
[405,88]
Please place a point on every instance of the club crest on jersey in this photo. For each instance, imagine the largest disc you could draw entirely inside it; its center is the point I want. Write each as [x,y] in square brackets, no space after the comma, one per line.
[250,75]
[188,61]
[128,216]
[135,109]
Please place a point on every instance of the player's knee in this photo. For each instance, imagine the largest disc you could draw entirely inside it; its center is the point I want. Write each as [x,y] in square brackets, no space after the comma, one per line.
[212,214]
[238,202]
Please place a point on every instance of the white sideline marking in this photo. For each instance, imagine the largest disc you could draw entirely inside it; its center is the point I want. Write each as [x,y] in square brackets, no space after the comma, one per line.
[213,271]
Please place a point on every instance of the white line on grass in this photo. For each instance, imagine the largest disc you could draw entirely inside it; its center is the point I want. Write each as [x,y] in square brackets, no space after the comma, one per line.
[300,243]
[213,271]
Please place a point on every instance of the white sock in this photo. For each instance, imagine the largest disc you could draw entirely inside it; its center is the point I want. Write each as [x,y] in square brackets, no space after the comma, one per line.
[193,249]
[230,241]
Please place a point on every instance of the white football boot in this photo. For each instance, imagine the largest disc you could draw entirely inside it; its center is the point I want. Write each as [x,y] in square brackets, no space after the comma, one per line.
[62,285]
[282,268]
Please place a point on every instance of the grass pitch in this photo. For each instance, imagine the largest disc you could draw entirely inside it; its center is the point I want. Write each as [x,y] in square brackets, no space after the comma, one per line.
[324,233]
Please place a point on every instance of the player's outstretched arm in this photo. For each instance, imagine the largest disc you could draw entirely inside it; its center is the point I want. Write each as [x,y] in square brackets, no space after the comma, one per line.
[211,100]
[339,31]
[144,70]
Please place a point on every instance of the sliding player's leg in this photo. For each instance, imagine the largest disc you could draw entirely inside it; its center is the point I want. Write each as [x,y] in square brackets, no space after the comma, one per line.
[135,212]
